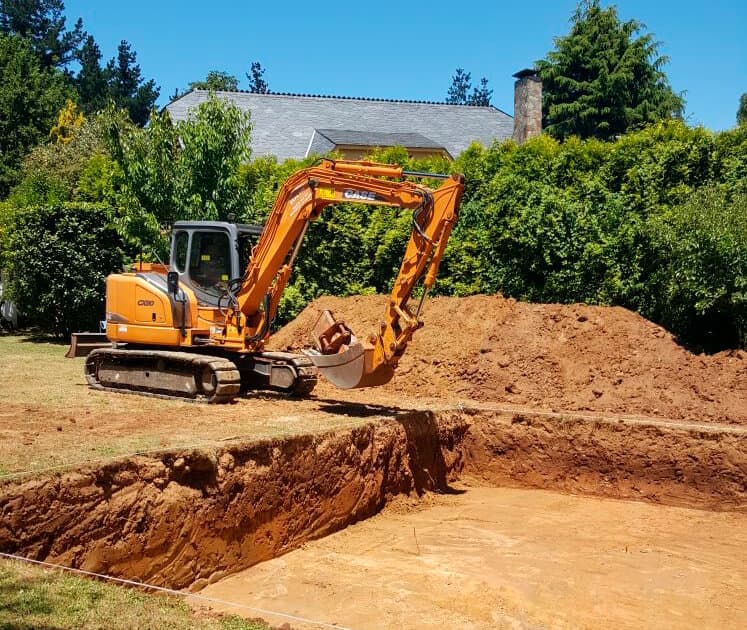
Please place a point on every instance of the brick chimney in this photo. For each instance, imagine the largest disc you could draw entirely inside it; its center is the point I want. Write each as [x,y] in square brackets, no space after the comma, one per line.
[527,105]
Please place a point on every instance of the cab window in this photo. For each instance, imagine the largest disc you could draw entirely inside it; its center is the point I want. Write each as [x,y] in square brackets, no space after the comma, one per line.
[210,262]
[180,251]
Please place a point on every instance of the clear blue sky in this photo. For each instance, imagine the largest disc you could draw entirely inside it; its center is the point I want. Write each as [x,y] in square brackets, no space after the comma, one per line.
[409,50]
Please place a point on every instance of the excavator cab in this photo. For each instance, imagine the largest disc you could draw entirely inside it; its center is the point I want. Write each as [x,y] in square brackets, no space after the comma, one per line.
[207,254]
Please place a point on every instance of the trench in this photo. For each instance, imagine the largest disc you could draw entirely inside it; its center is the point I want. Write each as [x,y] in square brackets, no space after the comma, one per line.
[186,519]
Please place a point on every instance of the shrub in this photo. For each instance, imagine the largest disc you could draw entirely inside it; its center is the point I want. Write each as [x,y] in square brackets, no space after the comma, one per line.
[59,257]
[653,221]
[76,169]
[699,281]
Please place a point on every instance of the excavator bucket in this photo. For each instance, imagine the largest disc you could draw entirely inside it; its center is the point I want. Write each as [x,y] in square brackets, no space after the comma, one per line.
[82,343]
[341,358]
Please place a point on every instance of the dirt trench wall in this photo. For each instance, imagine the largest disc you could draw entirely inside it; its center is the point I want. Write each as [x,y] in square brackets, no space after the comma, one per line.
[187,518]
[690,465]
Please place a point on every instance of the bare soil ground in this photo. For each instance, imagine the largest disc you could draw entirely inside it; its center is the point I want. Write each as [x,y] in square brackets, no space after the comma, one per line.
[513,558]
[480,349]
[187,517]
[49,416]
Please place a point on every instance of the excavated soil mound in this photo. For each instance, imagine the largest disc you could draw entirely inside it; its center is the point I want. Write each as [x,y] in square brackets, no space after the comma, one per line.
[548,356]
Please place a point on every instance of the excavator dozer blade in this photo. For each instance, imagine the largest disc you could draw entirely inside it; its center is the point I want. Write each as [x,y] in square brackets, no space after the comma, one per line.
[82,343]
[342,359]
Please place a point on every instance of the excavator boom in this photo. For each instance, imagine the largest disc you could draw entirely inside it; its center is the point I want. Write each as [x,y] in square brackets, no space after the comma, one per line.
[351,362]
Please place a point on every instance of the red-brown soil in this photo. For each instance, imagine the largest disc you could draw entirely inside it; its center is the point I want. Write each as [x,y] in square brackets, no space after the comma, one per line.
[184,518]
[503,558]
[189,517]
[546,356]
[576,399]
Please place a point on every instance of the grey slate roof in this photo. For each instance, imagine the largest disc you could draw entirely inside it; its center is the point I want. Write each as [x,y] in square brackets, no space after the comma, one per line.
[293,125]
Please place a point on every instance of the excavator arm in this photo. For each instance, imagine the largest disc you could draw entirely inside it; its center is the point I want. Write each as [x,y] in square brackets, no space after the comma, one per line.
[344,359]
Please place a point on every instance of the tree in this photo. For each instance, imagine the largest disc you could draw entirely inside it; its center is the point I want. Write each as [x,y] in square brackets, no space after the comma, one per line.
[602,80]
[742,111]
[127,88]
[69,122]
[461,83]
[459,90]
[216,81]
[30,98]
[42,22]
[149,161]
[257,83]
[91,80]
[481,96]
[187,170]
[215,142]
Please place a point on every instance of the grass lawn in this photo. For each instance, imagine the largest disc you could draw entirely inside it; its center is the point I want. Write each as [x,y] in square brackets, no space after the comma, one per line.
[34,597]
[50,417]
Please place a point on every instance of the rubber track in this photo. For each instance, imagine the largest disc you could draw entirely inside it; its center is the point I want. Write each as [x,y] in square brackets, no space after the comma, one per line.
[227,375]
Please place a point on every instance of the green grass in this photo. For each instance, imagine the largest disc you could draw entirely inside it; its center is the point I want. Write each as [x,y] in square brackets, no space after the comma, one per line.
[20,359]
[50,417]
[33,597]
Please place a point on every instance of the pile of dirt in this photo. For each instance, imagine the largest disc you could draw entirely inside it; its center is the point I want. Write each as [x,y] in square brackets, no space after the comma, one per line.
[547,356]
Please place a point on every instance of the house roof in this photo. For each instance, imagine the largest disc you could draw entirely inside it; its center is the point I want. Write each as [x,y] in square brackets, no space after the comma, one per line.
[296,125]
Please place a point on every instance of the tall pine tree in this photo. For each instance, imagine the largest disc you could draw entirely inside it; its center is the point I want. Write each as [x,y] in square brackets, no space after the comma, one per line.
[460,86]
[257,83]
[480,95]
[127,88]
[30,97]
[459,90]
[603,78]
[42,22]
[742,110]
[91,80]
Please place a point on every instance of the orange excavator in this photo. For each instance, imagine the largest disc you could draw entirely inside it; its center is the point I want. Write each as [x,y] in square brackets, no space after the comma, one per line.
[197,329]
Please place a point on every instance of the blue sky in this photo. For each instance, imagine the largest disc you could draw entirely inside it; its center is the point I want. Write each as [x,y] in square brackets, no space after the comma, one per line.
[409,50]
